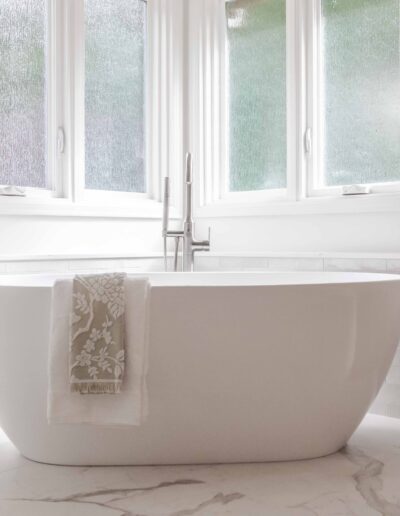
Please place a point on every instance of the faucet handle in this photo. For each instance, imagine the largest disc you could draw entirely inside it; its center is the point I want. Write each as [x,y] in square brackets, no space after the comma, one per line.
[202,245]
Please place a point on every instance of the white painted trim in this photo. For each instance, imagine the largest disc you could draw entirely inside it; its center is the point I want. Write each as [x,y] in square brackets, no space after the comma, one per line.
[67,102]
[51,96]
[56,91]
[112,197]
[208,90]
[81,194]
[187,110]
[208,123]
[313,94]
[315,110]
[238,254]
[50,60]
[84,256]
[207,110]
[141,208]
[163,113]
[377,203]
[165,97]
[374,188]
[293,101]
[304,254]
[76,96]
[66,108]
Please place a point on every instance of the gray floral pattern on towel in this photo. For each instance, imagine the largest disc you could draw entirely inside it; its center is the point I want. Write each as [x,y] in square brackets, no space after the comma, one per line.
[97,353]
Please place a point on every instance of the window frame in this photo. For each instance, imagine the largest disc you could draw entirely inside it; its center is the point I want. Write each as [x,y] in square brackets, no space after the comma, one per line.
[208,113]
[315,111]
[65,99]
[186,110]
[53,89]
[207,71]
[271,194]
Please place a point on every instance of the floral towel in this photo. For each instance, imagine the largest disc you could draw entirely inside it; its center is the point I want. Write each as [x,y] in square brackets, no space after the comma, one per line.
[97,354]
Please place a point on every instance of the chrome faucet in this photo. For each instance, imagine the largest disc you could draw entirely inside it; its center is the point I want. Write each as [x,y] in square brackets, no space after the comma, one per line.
[190,244]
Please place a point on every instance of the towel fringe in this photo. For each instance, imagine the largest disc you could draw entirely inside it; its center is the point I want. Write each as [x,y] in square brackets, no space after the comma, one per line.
[96,388]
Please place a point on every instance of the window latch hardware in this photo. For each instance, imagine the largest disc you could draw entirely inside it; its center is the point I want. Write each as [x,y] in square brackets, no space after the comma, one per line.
[12,191]
[355,190]
[308,140]
[60,140]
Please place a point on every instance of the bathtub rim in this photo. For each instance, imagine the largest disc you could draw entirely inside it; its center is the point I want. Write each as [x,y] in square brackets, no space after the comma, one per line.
[214,278]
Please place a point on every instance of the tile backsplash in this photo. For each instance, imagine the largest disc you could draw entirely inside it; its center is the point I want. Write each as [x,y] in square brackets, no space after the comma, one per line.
[298,263]
[388,400]
[210,262]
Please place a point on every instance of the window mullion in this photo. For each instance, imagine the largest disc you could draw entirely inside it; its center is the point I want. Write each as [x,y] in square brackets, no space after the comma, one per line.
[293,80]
[165,61]
[57,122]
[208,98]
[221,85]
[51,100]
[300,97]
[76,96]
[314,97]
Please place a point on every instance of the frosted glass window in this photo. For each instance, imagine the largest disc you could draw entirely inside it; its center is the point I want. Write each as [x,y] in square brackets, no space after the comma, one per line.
[115,95]
[23,93]
[256,32]
[361,91]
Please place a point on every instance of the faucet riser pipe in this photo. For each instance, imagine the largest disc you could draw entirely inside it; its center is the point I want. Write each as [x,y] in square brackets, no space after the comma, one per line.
[189,245]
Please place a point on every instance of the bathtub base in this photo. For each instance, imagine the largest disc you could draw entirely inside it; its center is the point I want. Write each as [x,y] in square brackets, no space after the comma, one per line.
[187,462]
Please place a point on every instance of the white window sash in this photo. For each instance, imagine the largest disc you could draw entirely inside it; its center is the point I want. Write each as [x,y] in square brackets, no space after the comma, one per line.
[208,113]
[163,108]
[164,119]
[315,111]
[186,109]
[53,100]
[205,103]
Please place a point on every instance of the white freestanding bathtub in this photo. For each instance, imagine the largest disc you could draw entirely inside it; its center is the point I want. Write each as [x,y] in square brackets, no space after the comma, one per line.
[243,367]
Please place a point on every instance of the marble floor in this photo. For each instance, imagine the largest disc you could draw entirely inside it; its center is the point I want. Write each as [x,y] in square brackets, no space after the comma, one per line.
[361,480]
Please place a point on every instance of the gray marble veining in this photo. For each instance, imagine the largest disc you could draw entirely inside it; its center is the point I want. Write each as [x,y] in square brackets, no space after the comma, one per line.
[117,492]
[220,498]
[362,480]
[369,483]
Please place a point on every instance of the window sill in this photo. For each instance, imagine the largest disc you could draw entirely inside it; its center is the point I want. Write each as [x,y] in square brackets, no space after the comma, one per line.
[369,203]
[53,207]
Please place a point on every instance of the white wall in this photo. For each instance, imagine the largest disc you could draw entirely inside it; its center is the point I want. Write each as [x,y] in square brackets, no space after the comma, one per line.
[366,232]
[22,235]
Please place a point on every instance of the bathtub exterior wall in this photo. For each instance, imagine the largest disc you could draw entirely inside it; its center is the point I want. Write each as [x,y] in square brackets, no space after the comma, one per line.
[388,400]
[310,347]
